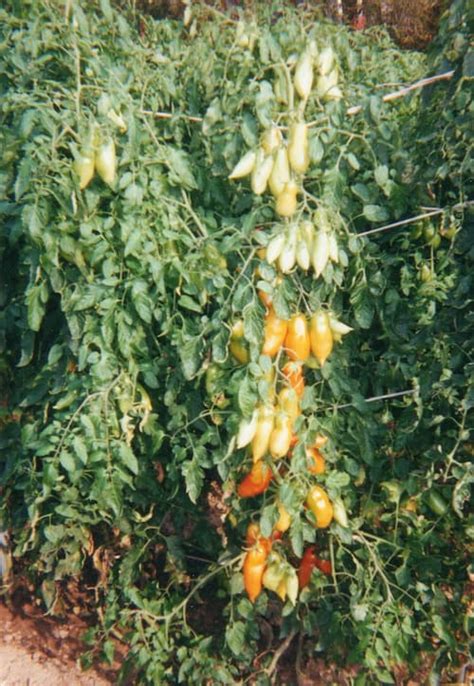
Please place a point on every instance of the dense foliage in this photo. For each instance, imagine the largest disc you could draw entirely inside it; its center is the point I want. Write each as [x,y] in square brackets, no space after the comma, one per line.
[118,463]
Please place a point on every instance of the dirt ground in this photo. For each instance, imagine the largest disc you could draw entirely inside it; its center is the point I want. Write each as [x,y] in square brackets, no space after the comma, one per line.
[38,651]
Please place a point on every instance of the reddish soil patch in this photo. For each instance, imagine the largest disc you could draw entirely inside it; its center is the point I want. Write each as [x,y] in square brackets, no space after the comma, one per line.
[40,651]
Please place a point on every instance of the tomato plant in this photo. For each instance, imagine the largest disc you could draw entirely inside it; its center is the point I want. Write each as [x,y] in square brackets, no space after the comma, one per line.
[212,276]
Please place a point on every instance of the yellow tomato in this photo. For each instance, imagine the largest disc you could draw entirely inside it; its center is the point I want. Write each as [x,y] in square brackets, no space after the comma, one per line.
[297,341]
[321,336]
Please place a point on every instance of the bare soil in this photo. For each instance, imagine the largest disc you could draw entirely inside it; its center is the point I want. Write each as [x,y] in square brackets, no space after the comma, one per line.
[41,651]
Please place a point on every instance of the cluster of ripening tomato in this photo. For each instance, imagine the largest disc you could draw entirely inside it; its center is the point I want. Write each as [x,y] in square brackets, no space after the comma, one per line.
[97,154]
[270,432]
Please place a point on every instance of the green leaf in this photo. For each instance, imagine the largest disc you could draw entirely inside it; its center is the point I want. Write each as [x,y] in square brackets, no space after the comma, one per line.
[128,458]
[219,346]
[363,307]
[23,178]
[80,449]
[249,129]
[36,306]
[193,477]
[296,536]
[247,397]
[443,632]
[142,301]
[235,637]
[375,108]
[462,491]
[375,213]
[190,354]
[381,175]
[108,646]
[337,480]
[236,583]
[187,302]
[280,304]
[253,323]
[264,103]
[316,149]
[27,348]
[362,192]
[67,461]
[268,519]
[180,168]
[107,10]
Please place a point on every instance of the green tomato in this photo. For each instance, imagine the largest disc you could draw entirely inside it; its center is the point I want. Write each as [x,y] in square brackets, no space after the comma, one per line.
[437,503]
[429,232]
[425,273]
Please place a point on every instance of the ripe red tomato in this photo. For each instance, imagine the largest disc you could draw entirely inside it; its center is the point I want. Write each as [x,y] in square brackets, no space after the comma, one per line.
[324,566]
[307,564]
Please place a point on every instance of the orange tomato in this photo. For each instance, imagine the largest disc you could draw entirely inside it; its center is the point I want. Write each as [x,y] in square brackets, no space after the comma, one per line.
[316,462]
[293,373]
[318,502]
[274,333]
[257,480]
[297,341]
[254,567]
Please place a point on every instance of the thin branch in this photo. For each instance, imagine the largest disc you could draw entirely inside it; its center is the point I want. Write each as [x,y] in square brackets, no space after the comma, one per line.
[404,91]
[402,222]
[450,458]
[279,652]
[376,398]
[171,115]
[360,537]
[431,213]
